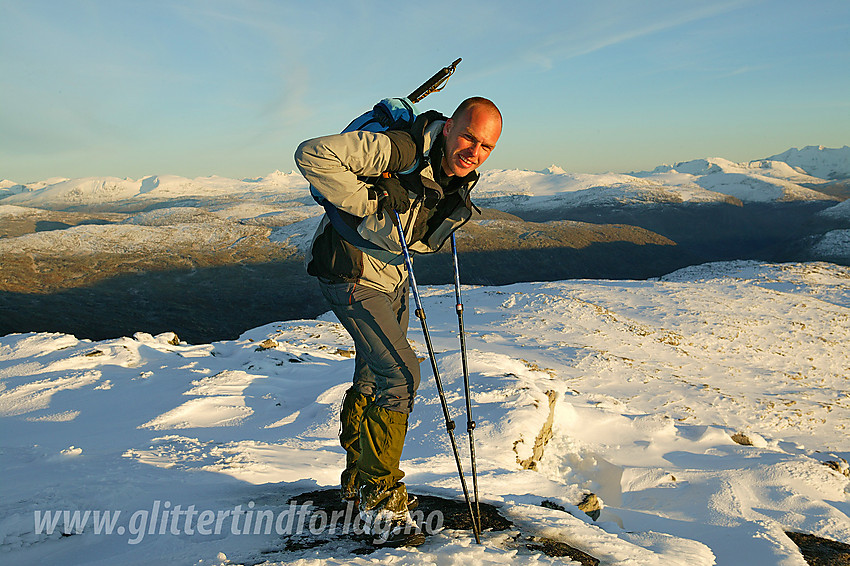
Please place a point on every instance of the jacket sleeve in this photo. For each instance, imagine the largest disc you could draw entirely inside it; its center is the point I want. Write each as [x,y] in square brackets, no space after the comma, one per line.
[333,163]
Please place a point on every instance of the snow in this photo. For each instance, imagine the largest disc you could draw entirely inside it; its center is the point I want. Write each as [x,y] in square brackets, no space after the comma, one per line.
[644,384]
[823,162]
[298,234]
[754,181]
[91,191]
[834,245]
[778,178]
[841,210]
[132,239]
[696,181]
[12,211]
[532,190]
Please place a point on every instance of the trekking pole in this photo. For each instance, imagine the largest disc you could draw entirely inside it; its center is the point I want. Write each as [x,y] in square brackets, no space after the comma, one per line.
[434,84]
[450,424]
[470,424]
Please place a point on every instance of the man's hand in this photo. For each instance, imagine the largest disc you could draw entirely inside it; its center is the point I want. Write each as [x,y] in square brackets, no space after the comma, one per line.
[392,196]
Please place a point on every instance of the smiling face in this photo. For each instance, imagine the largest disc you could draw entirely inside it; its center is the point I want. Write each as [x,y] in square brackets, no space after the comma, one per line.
[470,137]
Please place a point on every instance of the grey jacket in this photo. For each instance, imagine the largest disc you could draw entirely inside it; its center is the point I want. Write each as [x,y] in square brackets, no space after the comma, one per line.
[338,167]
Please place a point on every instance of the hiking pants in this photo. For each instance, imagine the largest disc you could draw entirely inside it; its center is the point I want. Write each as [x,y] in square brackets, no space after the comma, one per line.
[385,366]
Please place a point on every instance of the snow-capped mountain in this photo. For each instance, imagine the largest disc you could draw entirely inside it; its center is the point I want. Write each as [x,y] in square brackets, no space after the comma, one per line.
[789,177]
[755,181]
[713,180]
[101,192]
[818,161]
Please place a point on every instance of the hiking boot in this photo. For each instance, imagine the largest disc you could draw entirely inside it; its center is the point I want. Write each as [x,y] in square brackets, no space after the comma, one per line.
[354,497]
[412,502]
[389,521]
[346,494]
[403,532]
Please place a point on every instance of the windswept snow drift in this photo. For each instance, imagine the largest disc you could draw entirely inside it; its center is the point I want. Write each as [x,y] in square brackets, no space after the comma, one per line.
[632,390]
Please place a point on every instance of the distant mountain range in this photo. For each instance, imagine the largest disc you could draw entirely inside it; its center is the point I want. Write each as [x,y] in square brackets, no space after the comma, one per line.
[713,180]
[795,175]
[88,255]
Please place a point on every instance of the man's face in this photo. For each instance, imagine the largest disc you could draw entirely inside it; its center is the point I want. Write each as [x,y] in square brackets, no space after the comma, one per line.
[469,140]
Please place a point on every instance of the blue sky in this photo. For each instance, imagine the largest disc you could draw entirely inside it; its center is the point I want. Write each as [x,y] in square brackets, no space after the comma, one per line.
[195,88]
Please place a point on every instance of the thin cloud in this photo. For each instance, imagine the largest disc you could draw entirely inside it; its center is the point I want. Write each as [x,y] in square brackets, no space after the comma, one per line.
[606,31]
[591,44]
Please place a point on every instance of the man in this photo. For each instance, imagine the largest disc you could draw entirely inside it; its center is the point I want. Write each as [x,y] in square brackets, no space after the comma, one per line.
[364,279]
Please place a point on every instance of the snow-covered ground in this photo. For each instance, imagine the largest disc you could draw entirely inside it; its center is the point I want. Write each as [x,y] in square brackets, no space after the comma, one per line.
[841,210]
[834,245]
[642,385]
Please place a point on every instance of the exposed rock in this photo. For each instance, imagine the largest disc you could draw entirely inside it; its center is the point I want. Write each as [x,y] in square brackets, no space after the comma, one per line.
[558,549]
[591,505]
[548,504]
[820,551]
[742,439]
[267,344]
[749,439]
[543,437]
[839,466]
[333,524]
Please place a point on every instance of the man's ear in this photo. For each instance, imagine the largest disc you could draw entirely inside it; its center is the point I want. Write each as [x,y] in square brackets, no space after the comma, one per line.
[447,127]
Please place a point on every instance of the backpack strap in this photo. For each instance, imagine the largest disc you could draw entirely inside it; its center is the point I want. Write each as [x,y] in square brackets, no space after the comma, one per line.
[417,131]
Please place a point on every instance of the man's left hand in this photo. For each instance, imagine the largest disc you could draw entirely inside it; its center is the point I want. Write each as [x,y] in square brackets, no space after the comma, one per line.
[392,196]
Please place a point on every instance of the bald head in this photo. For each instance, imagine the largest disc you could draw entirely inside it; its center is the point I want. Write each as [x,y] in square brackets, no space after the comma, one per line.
[480,103]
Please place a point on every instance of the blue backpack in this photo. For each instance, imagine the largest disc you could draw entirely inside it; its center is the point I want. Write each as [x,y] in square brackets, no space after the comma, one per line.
[388,114]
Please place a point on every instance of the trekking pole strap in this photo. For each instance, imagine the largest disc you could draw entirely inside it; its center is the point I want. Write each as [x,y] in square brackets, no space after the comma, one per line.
[457,274]
[409,263]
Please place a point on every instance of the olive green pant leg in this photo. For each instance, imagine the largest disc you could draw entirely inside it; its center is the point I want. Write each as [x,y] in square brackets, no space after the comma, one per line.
[382,435]
[351,416]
